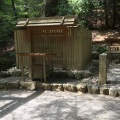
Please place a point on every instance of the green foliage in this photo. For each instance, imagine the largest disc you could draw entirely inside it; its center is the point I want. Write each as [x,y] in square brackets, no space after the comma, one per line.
[30,8]
[64,8]
[100,49]
[7,60]
[35,8]
[7,18]
[82,8]
[7,24]
[92,13]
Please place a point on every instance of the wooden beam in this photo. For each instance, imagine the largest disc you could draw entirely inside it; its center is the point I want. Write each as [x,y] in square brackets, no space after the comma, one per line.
[44,69]
[115,52]
[112,40]
[35,54]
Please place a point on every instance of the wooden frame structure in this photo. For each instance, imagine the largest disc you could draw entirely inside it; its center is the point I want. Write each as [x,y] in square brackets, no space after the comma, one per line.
[113,49]
[58,41]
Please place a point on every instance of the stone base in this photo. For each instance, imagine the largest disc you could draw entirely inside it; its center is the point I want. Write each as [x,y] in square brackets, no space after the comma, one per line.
[13,85]
[48,87]
[2,87]
[40,86]
[95,89]
[57,87]
[89,87]
[104,90]
[70,87]
[82,88]
[28,85]
[113,92]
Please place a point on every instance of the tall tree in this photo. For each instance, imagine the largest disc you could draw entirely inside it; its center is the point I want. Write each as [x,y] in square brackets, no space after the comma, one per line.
[106,14]
[114,13]
[14,9]
[50,7]
[26,9]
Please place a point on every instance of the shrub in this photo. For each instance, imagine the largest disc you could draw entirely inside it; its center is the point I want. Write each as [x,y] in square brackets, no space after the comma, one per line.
[7,60]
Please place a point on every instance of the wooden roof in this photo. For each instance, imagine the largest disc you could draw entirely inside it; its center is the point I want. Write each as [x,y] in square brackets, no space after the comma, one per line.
[47,21]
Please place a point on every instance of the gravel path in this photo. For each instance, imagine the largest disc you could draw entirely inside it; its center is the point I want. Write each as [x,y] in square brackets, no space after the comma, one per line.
[114,74]
[32,105]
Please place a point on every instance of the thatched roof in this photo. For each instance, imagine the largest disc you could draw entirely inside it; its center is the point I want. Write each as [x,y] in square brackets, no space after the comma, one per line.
[47,21]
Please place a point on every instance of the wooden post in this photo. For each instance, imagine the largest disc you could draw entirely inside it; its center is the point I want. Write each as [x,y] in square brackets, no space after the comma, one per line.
[64,48]
[52,63]
[30,58]
[16,47]
[103,68]
[109,54]
[22,67]
[44,69]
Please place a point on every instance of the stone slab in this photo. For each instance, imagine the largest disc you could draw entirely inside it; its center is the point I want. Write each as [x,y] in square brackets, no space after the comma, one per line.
[113,92]
[2,87]
[3,82]
[57,87]
[13,84]
[95,89]
[28,85]
[104,90]
[48,87]
[82,87]
[40,86]
[89,87]
[70,87]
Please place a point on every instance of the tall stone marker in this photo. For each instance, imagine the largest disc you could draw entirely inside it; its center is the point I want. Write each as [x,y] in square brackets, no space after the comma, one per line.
[102,68]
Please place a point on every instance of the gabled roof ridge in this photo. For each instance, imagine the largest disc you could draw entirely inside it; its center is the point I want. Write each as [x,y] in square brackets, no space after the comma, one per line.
[47,21]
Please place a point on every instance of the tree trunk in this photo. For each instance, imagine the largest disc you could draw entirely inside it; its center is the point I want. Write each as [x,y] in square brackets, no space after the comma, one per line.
[106,15]
[43,8]
[50,7]
[14,9]
[114,14]
[26,9]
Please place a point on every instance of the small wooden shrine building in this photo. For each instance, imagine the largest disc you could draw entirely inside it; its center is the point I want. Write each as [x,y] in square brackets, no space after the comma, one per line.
[44,43]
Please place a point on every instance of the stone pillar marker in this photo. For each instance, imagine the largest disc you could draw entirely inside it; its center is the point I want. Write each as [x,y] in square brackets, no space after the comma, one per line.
[102,68]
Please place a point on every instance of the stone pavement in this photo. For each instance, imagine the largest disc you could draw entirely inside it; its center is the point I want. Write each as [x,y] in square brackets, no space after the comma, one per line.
[51,105]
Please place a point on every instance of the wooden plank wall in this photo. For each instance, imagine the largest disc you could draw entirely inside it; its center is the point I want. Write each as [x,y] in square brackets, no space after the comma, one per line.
[74,49]
[48,40]
[86,46]
[72,46]
[22,45]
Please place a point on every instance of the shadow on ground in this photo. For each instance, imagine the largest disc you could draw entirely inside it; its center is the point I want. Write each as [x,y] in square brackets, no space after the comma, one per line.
[51,105]
[11,102]
[74,108]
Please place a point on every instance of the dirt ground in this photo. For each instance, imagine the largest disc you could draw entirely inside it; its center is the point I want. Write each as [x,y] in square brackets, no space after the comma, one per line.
[47,105]
[98,36]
